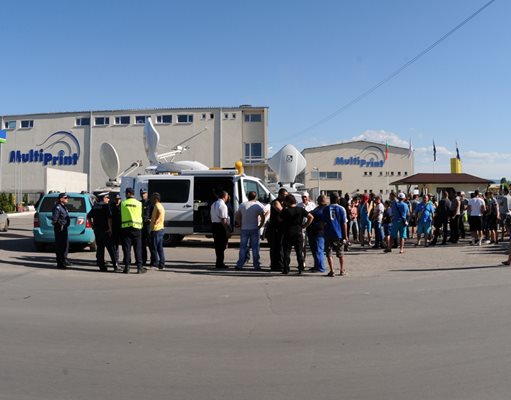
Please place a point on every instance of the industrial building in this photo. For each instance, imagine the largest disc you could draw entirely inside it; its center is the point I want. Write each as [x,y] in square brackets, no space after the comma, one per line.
[70,141]
[356,167]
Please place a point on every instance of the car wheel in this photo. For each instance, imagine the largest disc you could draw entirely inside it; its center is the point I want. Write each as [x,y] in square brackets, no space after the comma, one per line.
[172,240]
[93,246]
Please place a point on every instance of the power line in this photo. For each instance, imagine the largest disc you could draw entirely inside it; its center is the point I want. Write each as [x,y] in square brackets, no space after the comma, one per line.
[389,77]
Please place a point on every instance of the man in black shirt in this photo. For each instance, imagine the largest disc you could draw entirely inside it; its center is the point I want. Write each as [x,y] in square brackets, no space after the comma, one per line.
[441,220]
[274,232]
[101,219]
[294,219]
[115,211]
[147,211]
[60,220]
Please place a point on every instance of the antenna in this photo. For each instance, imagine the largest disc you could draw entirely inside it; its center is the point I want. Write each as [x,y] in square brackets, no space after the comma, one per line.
[287,163]
[111,165]
[109,161]
[152,140]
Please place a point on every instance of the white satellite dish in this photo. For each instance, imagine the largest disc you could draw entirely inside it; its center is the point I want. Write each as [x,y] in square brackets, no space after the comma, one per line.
[180,166]
[151,140]
[287,163]
[109,160]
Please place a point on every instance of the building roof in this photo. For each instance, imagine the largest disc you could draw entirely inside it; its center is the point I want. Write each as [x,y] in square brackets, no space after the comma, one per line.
[141,110]
[426,178]
[351,142]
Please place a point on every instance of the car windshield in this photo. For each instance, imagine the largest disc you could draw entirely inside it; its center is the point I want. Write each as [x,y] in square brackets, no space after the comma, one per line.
[74,204]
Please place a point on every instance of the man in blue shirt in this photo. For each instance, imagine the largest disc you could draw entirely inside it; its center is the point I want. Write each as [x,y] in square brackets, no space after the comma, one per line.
[334,230]
[399,222]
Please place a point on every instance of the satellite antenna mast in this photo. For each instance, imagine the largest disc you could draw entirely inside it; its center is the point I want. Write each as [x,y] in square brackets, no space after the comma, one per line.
[111,165]
[151,142]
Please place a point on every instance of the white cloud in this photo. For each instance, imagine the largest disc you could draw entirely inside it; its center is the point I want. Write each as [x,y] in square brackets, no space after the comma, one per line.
[382,137]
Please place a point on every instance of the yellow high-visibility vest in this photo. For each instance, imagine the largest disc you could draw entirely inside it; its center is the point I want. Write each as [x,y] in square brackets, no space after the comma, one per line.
[131,213]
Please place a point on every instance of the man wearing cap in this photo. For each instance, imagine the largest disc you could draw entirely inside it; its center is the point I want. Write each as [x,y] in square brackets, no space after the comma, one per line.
[399,223]
[131,230]
[101,218]
[60,220]
[115,211]
[147,211]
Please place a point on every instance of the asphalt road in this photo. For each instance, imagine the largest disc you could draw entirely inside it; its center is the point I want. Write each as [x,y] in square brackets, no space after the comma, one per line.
[429,324]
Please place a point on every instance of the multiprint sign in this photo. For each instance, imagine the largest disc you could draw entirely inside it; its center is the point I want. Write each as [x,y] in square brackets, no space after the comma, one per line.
[369,157]
[60,148]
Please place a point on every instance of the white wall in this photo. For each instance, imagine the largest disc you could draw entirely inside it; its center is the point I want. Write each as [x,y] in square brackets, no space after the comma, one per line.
[64,181]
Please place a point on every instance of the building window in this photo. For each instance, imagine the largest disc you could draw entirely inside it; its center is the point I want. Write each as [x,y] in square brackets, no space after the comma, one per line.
[184,118]
[233,115]
[391,173]
[381,173]
[253,117]
[10,124]
[406,173]
[203,116]
[211,116]
[164,119]
[326,175]
[82,121]
[370,173]
[26,124]
[253,153]
[226,115]
[140,119]
[381,191]
[365,173]
[100,121]
[398,173]
[123,120]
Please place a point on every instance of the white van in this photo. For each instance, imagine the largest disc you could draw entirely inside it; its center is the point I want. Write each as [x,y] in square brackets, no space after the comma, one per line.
[187,197]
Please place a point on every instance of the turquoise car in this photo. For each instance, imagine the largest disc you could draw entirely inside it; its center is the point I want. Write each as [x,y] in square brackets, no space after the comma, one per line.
[80,231]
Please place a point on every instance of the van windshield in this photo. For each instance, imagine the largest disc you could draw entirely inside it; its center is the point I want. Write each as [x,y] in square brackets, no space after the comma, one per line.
[74,204]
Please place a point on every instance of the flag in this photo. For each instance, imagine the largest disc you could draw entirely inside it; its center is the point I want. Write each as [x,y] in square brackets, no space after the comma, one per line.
[457,152]
[3,136]
[386,151]
[434,151]
[410,150]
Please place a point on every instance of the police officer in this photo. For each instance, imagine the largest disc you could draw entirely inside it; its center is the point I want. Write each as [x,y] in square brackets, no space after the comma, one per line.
[131,230]
[147,211]
[60,220]
[101,218]
[115,211]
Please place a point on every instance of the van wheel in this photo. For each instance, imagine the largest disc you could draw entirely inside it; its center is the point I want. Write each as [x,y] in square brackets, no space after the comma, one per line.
[172,240]
[6,227]
[93,246]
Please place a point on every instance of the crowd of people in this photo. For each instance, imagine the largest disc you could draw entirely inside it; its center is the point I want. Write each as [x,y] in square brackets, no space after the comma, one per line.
[331,225]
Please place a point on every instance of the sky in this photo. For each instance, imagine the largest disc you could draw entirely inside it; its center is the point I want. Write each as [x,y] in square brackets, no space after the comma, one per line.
[304,60]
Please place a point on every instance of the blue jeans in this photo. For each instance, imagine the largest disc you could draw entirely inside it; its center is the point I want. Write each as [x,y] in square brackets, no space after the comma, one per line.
[317,245]
[378,237]
[245,236]
[157,244]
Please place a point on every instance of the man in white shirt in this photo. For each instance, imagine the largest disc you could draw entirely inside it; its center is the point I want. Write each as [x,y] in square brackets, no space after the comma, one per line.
[476,208]
[220,226]
[308,205]
[250,218]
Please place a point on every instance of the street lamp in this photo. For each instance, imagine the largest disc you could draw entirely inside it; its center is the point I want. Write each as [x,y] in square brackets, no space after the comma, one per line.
[317,171]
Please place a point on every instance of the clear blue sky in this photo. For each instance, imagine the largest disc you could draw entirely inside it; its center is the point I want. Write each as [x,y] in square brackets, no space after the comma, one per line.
[302,59]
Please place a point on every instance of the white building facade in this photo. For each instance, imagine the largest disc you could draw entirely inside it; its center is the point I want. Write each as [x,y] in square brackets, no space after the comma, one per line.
[71,141]
[356,167]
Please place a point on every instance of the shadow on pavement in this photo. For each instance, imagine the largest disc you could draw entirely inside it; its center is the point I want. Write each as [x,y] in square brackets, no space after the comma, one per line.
[449,268]
[48,262]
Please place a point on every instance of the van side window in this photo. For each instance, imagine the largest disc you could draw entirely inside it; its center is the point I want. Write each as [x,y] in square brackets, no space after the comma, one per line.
[252,186]
[171,191]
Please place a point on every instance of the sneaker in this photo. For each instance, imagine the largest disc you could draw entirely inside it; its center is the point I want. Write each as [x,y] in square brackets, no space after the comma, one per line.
[331,273]
[487,241]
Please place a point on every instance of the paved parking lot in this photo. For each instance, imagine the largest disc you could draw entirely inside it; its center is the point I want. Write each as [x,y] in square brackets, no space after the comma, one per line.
[431,324]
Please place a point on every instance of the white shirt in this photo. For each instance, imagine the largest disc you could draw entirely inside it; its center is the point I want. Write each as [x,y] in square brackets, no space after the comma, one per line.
[219,211]
[309,207]
[475,206]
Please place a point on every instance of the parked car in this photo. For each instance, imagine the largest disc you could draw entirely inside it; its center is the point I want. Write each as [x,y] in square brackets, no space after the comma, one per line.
[80,231]
[4,221]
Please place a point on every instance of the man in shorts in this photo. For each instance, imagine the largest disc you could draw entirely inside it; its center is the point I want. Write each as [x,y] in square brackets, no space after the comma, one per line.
[476,209]
[335,232]
[399,221]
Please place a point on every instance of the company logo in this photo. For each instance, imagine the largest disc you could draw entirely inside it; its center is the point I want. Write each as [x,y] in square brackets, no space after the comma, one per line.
[60,148]
[370,157]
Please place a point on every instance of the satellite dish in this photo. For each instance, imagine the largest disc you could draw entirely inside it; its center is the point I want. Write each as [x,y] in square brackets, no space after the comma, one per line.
[287,163]
[109,160]
[180,166]
[151,140]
